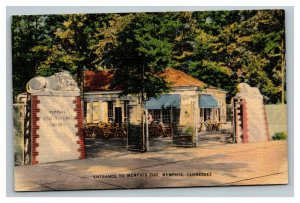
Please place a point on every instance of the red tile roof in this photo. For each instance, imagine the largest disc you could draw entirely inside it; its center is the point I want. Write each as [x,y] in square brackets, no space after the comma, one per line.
[178,78]
[98,81]
[101,81]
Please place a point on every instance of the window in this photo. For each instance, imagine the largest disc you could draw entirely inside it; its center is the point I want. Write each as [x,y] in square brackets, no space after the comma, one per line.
[95,112]
[166,119]
[207,114]
[125,103]
[164,115]
[155,114]
[110,110]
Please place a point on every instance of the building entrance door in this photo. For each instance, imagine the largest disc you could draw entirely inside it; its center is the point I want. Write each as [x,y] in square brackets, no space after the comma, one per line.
[118,116]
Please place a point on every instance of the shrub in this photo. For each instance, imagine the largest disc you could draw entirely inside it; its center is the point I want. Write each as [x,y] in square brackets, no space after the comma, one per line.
[189,131]
[279,136]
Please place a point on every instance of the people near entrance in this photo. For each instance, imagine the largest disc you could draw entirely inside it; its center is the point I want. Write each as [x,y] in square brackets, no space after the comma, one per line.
[201,124]
[160,122]
[212,125]
[150,118]
[111,121]
[157,129]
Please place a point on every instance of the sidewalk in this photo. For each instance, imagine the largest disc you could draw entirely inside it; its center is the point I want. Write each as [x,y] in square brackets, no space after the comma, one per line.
[210,164]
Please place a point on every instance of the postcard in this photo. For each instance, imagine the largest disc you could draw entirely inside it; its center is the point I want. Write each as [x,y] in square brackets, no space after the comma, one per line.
[149,100]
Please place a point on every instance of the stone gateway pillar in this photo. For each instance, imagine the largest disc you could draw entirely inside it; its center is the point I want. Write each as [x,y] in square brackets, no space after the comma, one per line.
[56,119]
[249,114]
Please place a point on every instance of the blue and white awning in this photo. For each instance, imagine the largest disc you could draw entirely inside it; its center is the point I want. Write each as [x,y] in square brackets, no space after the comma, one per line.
[164,101]
[208,101]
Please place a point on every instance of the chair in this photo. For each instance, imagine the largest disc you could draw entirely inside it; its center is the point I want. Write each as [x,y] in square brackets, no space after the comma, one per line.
[120,132]
[108,132]
[167,131]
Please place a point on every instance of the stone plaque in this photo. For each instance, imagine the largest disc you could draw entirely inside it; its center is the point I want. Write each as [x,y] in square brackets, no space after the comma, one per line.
[56,119]
[251,123]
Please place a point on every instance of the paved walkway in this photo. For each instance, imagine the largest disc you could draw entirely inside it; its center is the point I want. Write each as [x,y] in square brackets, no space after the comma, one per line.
[110,166]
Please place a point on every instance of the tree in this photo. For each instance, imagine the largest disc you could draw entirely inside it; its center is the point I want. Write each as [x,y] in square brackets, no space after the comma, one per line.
[72,47]
[143,51]
[184,42]
[27,32]
[221,48]
[211,56]
[266,33]
[235,46]
[107,36]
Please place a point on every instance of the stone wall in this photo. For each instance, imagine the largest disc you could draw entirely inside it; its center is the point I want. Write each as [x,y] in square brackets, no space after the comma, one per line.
[56,119]
[250,115]
[56,129]
[18,131]
[277,118]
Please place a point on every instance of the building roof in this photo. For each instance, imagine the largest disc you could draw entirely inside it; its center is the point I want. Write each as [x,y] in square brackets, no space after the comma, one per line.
[101,81]
[178,78]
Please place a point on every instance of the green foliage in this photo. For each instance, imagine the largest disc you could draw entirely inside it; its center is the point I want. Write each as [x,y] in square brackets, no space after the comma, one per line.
[279,136]
[189,131]
[221,48]
[238,46]
[73,46]
[143,50]
[27,32]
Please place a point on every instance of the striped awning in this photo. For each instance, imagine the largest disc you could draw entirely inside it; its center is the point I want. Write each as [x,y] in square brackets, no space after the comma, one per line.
[164,101]
[208,101]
